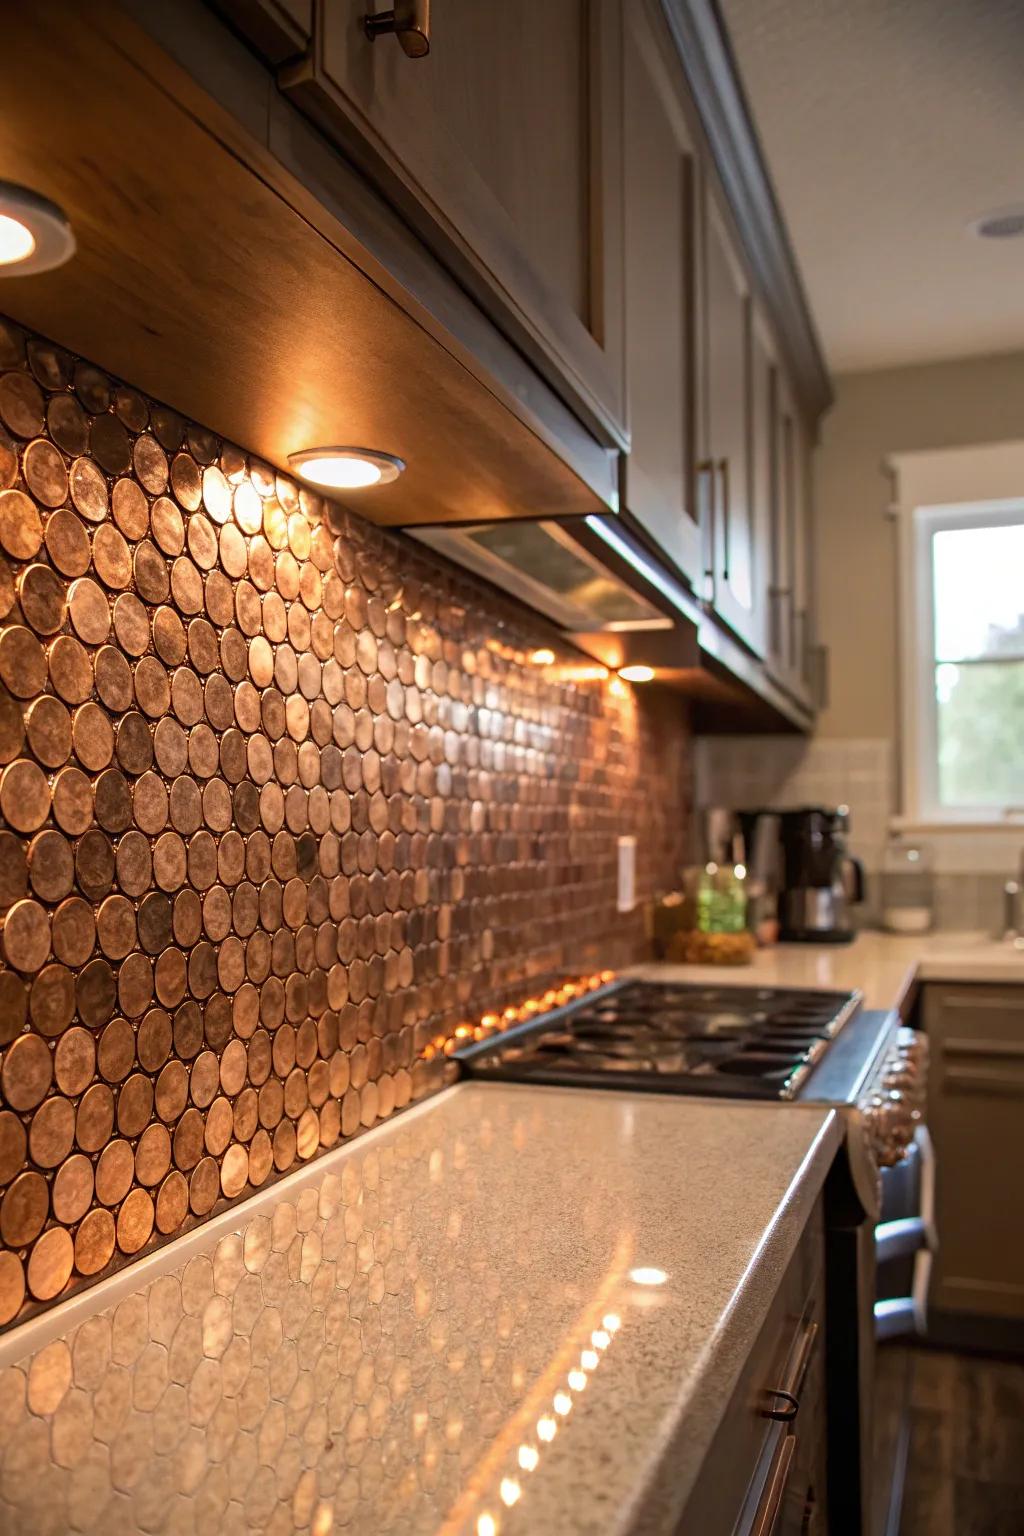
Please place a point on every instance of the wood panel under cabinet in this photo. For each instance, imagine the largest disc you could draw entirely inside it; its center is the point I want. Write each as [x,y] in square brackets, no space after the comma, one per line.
[661,178]
[976,1119]
[503,148]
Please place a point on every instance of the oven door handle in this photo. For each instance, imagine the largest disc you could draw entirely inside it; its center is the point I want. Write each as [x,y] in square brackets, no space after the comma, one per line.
[910,1236]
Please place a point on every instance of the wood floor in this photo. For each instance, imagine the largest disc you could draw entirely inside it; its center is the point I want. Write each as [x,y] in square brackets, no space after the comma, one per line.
[965,1474]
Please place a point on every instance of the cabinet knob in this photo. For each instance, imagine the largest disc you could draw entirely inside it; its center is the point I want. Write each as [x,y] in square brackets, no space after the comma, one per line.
[409,21]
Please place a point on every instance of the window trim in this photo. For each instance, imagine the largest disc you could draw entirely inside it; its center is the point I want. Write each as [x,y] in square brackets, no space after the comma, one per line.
[949,488]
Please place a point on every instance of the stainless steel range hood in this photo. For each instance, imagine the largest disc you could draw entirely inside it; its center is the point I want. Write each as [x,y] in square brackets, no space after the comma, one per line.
[590,577]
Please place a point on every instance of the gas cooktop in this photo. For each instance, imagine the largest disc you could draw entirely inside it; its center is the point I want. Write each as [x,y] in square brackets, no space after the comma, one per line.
[736,1042]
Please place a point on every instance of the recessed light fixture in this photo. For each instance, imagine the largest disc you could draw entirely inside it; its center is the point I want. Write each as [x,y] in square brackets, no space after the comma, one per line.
[1001,224]
[636,674]
[34,234]
[647,1274]
[346,469]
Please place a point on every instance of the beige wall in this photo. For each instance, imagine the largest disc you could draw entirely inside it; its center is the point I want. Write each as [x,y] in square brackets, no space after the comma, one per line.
[939,405]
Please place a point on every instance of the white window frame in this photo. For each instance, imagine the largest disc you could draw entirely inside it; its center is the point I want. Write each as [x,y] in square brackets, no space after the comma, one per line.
[949,488]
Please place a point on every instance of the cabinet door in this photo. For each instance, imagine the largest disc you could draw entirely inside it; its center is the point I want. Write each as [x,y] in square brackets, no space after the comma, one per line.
[503,147]
[660,181]
[726,467]
[789,592]
[976,1119]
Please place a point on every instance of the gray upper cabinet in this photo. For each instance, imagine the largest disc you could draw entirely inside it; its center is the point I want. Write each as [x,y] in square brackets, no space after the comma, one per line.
[661,183]
[789,589]
[725,468]
[503,149]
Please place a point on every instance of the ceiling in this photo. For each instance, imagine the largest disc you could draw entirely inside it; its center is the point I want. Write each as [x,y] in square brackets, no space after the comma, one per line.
[888,125]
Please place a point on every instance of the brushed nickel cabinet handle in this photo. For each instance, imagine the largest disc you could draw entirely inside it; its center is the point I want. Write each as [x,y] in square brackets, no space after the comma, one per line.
[409,21]
[723,470]
[766,1516]
[793,1383]
[706,473]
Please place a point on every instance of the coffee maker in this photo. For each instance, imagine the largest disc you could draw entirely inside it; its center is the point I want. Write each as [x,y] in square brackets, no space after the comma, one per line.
[821,880]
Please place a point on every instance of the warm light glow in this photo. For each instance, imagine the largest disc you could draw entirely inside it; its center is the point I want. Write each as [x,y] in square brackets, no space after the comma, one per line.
[562,1403]
[618,688]
[636,674]
[611,1322]
[547,1428]
[528,1457]
[577,1380]
[17,242]
[648,1275]
[487,1526]
[323,1520]
[740,871]
[589,1359]
[600,1338]
[341,474]
[510,1491]
[345,469]
[544,657]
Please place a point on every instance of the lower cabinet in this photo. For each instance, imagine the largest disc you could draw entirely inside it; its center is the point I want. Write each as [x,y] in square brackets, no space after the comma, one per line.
[766,1470]
[976,1120]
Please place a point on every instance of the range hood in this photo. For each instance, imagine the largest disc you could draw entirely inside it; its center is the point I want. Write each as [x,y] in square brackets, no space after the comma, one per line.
[588,575]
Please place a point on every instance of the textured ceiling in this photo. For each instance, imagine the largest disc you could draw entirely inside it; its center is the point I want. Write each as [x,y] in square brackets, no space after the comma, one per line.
[887,126]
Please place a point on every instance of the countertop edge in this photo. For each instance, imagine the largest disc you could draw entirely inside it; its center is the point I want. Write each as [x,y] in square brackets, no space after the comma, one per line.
[663,1493]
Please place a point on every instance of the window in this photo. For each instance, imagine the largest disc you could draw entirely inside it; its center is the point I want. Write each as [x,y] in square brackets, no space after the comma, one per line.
[962,592]
[974,562]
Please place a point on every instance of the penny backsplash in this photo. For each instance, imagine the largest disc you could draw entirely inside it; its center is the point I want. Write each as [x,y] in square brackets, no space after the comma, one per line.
[282,800]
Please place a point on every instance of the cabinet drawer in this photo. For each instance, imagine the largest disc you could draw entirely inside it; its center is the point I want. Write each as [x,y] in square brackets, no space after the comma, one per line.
[750,1461]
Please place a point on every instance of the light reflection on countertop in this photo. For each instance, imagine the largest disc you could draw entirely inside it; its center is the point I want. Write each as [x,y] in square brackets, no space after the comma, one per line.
[508,1311]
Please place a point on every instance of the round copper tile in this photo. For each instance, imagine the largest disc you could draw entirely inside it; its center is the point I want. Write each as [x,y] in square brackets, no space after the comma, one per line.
[12,727]
[167,526]
[204,1186]
[12,1146]
[155,932]
[115,927]
[44,472]
[13,870]
[134,744]
[186,586]
[284,1146]
[248,508]
[218,703]
[130,509]
[219,1126]
[88,490]
[261,1158]
[75,1060]
[68,424]
[22,662]
[72,1189]
[70,669]
[50,1264]
[131,408]
[52,1132]
[93,737]
[26,942]
[51,1002]
[188,1139]
[217,495]
[186,696]
[153,1043]
[171,747]
[186,481]
[42,598]
[94,1242]
[21,404]
[95,991]
[135,985]
[201,537]
[90,610]
[135,1221]
[153,1155]
[169,636]
[150,462]
[134,1105]
[204,1079]
[74,932]
[95,1118]
[92,387]
[115,1168]
[7,592]
[131,624]
[152,689]
[234,1172]
[111,557]
[234,655]
[24,795]
[149,798]
[203,751]
[113,679]
[72,800]
[233,553]
[172,1202]
[217,916]
[112,800]
[109,444]
[171,1091]
[261,563]
[24,1210]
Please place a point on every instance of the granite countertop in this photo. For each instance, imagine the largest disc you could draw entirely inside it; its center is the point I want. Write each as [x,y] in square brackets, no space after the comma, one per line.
[884,966]
[433,1329]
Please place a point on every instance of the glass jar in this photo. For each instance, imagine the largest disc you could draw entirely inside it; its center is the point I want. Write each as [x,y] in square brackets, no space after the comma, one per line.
[908,894]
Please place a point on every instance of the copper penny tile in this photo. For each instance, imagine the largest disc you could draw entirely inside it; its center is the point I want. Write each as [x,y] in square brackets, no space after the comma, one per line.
[254,779]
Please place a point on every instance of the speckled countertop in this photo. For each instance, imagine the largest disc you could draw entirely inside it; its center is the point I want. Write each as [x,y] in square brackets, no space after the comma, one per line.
[885,967]
[434,1329]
